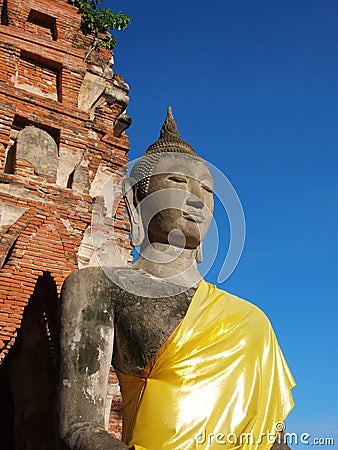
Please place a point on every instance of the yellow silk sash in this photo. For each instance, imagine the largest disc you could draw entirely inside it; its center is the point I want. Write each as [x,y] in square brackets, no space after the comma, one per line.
[220,381]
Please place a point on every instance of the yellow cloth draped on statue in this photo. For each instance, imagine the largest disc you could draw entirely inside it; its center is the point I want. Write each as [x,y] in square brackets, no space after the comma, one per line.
[219,380]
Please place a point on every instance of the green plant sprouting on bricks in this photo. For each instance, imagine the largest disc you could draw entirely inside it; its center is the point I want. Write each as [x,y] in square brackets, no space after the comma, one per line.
[98,22]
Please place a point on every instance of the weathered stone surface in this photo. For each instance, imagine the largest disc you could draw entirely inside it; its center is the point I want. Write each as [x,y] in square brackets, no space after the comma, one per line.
[86,256]
[100,248]
[9,214]
[105,186]
[79,181]
[88,334]
[91,89]
[122,123]
[39,148]
[102,175]
[95,91]
[67,161]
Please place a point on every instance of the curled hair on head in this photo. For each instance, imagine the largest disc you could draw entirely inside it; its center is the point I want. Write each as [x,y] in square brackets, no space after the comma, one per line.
[169,142]
[142,171]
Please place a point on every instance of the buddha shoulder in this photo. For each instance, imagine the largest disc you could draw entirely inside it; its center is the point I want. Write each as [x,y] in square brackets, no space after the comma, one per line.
[90,287]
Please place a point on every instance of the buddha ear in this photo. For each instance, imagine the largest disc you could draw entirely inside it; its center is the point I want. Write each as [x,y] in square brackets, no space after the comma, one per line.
[199,254]
[137,231]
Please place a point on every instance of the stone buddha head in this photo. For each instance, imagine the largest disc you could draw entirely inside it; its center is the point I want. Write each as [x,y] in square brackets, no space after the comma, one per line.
[169,195]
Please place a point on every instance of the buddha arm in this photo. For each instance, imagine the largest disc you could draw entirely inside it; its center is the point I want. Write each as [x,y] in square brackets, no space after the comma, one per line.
[85,356]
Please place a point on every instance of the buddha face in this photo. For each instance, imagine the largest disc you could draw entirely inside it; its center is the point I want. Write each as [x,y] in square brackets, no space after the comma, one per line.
[178,206]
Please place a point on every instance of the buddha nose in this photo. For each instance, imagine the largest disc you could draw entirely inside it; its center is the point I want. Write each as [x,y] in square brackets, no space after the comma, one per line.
[194,202]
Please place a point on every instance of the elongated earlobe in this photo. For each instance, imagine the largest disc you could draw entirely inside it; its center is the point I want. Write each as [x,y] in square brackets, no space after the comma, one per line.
[199,254]
[137,235]
[137,231]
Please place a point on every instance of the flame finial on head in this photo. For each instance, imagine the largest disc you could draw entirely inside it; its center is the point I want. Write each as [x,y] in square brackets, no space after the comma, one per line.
[169,127]
[170,139]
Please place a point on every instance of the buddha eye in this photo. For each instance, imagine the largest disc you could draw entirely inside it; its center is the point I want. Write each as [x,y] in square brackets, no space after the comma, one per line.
[177,179]
[207,188]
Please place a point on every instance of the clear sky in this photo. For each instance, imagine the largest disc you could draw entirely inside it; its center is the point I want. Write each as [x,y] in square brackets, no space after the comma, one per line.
[254,89]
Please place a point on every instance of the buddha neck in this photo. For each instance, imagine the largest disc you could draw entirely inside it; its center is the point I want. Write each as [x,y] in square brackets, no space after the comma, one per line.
[165,261]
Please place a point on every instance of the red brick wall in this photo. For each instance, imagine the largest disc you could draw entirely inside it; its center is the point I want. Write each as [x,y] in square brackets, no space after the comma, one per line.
[38,77]
[42,68]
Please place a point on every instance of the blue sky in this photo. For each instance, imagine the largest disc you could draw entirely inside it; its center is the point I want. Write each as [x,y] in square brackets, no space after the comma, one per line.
[254,88]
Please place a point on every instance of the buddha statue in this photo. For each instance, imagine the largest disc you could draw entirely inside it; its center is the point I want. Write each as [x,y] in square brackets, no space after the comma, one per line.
[197,366]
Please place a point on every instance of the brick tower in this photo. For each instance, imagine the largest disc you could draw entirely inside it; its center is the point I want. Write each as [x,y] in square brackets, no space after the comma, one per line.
[62,123]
